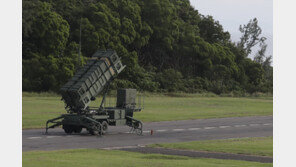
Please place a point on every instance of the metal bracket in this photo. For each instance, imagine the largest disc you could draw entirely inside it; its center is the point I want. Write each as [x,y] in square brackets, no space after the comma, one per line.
[137,126]
[55,123]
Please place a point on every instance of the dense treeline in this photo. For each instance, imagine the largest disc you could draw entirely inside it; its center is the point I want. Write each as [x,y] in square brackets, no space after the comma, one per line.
[167,45]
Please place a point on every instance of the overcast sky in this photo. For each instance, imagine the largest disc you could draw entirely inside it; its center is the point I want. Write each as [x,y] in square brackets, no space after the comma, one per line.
[232,13]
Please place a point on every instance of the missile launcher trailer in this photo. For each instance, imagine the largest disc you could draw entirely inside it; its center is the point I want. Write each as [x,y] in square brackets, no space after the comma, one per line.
[92,79]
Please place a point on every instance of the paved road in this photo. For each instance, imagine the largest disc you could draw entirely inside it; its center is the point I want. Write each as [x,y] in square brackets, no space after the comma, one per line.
[164,132]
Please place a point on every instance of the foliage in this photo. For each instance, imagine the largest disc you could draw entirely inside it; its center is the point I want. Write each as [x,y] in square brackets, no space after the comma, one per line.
[251,35]
[167,76]
[212,31]
[265,62]
[167,46]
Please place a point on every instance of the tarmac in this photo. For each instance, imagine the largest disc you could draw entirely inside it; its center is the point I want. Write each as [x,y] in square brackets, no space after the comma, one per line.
[163,132]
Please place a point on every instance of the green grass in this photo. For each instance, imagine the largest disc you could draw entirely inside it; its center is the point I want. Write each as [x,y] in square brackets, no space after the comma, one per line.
[251,146]
[102,158]
[38,108]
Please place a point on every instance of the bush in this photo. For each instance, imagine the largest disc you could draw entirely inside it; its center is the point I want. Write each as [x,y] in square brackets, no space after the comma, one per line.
[170,80]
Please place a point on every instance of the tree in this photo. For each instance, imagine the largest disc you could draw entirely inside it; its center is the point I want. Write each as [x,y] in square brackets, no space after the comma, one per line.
[44,31]
[265,62]
[261,57]
[250,36]
[212,31]
[167,76]
[166,45]
[47,59]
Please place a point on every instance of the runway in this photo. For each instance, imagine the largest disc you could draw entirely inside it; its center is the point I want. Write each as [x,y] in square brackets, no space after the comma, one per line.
[163,132]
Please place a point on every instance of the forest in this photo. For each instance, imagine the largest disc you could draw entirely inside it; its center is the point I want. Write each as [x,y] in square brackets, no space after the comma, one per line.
[166,45]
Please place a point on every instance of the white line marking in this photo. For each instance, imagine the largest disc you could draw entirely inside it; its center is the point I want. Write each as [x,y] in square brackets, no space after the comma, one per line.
[239,125]
[267,124]
[49,137]
[224,126]
[34,137]
[254,124]
[161,130]
[146,131]
[128,132]
[193,128]
[178,129]
[209,127]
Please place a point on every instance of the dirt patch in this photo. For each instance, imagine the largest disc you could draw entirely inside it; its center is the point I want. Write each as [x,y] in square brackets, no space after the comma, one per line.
[200,154]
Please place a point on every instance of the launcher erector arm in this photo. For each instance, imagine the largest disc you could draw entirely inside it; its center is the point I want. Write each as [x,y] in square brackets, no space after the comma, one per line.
[91,80]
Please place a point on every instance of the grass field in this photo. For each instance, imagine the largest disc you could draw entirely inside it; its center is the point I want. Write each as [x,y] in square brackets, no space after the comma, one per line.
[251,146]
[38,108]
[102,158]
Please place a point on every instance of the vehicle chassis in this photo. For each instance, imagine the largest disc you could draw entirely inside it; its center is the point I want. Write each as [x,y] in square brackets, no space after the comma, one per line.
[97,120]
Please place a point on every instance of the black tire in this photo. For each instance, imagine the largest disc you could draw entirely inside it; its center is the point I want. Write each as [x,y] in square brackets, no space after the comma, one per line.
[104,127]
[68,129]
[94,131]
[137,125]
[77,129]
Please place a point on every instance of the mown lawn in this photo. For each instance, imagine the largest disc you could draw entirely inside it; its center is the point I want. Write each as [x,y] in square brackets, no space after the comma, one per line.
[104,158]
[251,146]
[37,109]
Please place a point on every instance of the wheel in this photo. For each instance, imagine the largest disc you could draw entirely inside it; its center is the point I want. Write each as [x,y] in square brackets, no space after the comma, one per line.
[94,130]
[137,125]
[68,129]
[138,128]
[104,127]
[77,129]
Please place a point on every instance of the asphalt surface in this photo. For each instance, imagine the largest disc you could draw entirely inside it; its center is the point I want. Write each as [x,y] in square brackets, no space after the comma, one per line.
[163,132]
